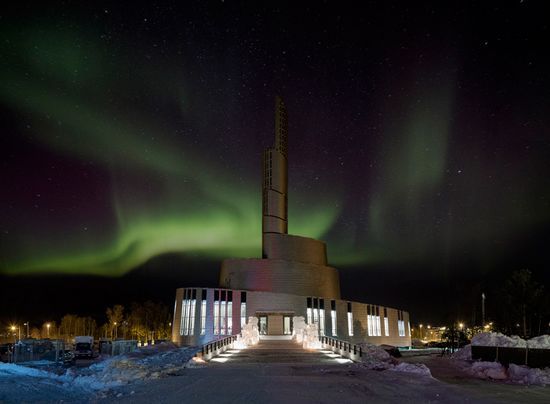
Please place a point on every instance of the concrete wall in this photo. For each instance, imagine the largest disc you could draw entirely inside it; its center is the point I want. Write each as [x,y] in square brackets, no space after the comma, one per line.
[280,276]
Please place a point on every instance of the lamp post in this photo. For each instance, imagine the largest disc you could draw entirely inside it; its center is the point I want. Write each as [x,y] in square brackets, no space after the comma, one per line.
[12,328]
[48,329]
[115,330]
[421,331]
[27,324]
[483,309]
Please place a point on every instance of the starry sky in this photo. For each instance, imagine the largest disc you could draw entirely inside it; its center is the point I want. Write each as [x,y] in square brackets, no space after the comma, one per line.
[132,138]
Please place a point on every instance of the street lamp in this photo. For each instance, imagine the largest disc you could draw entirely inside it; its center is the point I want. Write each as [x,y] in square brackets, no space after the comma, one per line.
[461,326]
[27,324]
[421,331]
[48,328]
[115,330]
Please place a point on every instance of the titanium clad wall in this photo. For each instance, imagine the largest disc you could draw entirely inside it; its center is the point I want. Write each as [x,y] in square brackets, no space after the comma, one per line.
[295,305]
[295,248]
[280,276]
[274,194]
[176,323]
[272,224]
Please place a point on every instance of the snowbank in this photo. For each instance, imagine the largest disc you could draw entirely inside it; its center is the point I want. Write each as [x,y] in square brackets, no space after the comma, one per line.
[501,340]
[514,373]
[418,368]
[540,342]
[526,375]
[488,370]
[146,363]
[376,358]
[464,353]
[498,339]
[10,369]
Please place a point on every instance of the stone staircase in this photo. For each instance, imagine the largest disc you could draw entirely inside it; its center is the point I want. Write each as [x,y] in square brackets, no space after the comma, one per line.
[276,352]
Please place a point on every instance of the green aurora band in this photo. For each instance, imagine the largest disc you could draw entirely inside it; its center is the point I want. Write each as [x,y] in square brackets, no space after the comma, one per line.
[221,216]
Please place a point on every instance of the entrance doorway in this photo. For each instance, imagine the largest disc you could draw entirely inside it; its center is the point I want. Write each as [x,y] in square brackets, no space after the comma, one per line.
[275,323]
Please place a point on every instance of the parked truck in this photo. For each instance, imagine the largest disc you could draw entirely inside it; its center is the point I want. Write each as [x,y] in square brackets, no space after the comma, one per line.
[83,346]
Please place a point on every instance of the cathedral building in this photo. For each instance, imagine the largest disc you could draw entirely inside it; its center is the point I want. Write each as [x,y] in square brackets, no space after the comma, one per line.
[291,279]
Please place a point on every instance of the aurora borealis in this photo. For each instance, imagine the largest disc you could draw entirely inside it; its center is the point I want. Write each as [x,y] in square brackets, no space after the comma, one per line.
[418,136]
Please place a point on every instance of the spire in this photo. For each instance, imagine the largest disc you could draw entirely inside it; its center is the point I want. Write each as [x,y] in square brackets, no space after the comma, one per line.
[275,181]
[281,126]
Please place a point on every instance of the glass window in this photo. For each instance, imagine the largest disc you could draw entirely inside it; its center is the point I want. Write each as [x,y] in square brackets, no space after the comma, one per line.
[203,317]
[243,314]
[350,320]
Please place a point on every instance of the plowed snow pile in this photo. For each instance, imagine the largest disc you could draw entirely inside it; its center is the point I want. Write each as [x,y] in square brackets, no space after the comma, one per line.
[376,358]
[496,371]
[146,363]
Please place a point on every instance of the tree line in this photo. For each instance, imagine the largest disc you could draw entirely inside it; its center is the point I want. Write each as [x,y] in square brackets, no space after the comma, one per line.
[141,321]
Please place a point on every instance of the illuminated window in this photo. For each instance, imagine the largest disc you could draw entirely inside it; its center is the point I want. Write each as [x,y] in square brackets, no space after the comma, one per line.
[400,324]
[321,316]
[377,326]
[223,314]
[192,312]
[409,327]
[183,311]
[333,317]
[315,312]
[216,312]
[243,309]
[369,322]
[386,323]
[350,320]
[230,312]
[203,312]
[309,313]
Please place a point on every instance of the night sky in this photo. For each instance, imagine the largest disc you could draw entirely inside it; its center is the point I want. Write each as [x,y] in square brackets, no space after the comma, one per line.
[132,138]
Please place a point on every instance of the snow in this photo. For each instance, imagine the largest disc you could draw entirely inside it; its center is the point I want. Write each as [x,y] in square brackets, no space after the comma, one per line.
[501,340]
[417,368]
[540,342]
[147,363]
[488,370]
[527,375]
[495,371]
[10,369]
[498,339]
[376,358]
[464,353]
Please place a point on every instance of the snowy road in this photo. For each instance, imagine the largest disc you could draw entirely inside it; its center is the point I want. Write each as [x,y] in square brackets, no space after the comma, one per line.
[161,375]
[314,384]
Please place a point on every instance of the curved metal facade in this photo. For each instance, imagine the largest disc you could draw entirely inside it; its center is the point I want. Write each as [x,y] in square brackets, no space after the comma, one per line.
[280,276]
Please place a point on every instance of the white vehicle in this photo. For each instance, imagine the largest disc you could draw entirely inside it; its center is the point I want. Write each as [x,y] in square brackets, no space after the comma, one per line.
[83,346]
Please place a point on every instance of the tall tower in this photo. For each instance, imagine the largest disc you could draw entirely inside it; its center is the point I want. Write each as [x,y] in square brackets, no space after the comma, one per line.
[275,181]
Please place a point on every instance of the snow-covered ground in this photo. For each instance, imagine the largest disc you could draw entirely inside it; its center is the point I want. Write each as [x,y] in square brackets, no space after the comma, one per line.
[144,364]
[168,374]
[494,370]
[376,358]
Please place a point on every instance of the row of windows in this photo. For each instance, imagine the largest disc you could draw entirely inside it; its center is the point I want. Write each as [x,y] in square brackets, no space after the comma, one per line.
[222,312]
[315,312]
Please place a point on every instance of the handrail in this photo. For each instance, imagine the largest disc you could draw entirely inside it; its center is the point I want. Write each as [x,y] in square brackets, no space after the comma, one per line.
[341,345]
[217,344]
